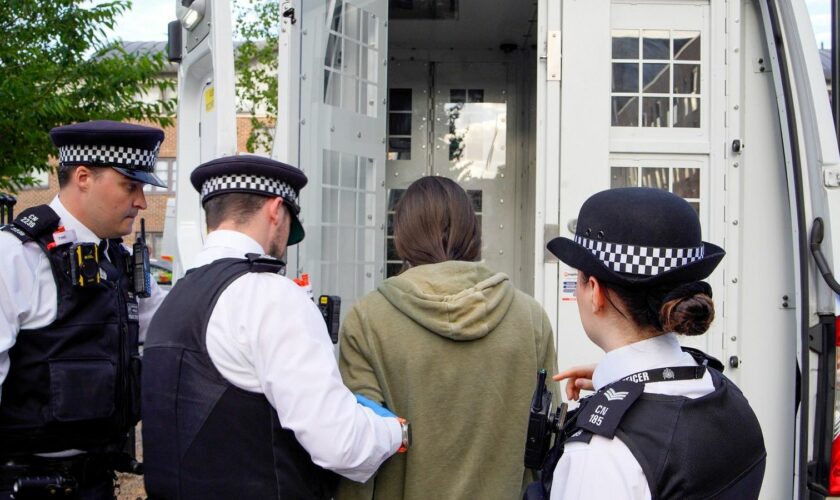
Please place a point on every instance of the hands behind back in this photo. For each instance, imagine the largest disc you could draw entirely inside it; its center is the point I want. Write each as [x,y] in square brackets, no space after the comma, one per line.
[376,407]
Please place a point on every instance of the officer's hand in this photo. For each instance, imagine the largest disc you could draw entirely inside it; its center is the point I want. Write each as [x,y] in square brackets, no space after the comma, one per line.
[376,407]
[580,378]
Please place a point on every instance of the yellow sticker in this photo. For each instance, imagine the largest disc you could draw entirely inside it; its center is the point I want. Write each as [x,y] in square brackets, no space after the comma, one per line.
[209,99]
[323,300]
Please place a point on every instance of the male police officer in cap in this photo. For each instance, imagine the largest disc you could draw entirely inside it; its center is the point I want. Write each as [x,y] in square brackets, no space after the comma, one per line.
[70,319]
[242,397]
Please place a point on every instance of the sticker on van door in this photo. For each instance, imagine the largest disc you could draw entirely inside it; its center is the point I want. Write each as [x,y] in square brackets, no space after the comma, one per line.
[568,285]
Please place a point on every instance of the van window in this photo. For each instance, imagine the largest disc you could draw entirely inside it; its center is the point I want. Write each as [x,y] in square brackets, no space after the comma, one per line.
[656,78]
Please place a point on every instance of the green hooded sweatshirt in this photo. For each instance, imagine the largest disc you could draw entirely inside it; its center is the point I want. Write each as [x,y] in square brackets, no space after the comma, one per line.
[455,349]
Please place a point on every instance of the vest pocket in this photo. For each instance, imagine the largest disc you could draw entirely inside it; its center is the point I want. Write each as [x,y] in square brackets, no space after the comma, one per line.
[82,389]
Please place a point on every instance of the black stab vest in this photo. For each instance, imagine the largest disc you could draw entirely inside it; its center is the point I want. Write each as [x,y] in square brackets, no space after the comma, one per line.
[74,384]
[707,447]
[203,437]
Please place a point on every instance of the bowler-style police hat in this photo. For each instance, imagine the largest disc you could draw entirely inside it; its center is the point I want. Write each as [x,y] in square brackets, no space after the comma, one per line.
[131,150]
[256,175]
[638,237]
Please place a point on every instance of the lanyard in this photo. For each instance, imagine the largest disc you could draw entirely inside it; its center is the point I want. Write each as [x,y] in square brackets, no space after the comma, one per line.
[667,374]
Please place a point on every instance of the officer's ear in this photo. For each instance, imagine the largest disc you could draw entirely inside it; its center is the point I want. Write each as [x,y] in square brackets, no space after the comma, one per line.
[83,176]
[598,297]
[276,210]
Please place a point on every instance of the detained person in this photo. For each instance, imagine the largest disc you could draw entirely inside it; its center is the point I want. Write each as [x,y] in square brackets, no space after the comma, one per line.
[242,397]
[664,422]
[454,347]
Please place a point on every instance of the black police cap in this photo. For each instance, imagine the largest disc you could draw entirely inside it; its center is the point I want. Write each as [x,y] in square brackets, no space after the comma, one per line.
[255,175]
[638,237]
[130,149]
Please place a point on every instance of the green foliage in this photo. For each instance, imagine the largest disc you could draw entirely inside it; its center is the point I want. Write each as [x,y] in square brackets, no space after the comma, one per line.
[257,24]
[57,67]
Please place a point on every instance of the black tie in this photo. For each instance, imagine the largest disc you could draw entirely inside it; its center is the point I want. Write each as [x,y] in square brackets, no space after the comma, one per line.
[107,262]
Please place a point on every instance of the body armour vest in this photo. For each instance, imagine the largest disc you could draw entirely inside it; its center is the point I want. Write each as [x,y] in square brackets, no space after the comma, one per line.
[702,448]
[74,384]
[204,437]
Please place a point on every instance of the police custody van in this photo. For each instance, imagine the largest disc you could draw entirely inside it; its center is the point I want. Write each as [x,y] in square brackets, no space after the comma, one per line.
[534,106]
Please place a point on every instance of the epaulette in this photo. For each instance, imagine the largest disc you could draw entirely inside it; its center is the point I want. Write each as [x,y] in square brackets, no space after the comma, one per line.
[33,223]
[265,264]
[605,408]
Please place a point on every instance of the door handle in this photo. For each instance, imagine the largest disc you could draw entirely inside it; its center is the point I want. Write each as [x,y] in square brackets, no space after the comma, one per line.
[817,233]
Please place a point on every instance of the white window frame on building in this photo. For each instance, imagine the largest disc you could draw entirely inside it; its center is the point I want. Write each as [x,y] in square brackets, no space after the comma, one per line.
[167,169]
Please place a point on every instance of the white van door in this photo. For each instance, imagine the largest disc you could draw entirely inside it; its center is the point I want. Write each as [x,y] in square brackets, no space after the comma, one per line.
[333,66]
[812,167]
[206,118]
[635,94]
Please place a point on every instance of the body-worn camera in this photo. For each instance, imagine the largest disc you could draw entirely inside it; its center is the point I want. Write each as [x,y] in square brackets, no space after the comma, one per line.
[84,264]
[542,423]
[330,307]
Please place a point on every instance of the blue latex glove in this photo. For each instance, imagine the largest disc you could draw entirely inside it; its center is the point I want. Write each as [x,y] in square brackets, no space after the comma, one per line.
[376,407]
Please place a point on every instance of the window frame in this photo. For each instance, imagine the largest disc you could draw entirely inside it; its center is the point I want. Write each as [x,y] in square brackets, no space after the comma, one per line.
[170,179]
[673,18]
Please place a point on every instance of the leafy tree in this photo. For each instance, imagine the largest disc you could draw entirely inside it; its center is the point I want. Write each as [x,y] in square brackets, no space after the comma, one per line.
[57,66]
[257,25]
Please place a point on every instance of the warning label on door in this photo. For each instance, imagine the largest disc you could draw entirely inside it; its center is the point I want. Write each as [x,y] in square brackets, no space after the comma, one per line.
[209,99]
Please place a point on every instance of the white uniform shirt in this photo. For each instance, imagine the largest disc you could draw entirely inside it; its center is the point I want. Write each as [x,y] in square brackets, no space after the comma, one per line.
[266,336]
[605,468]
[28,295]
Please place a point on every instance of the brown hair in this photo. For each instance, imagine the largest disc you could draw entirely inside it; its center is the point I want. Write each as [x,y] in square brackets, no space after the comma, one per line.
[687,308]
[688,315]
[237,207]
[65,172]
[435,222]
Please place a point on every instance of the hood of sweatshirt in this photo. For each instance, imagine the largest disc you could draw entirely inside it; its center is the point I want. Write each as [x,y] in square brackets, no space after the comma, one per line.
[454,299]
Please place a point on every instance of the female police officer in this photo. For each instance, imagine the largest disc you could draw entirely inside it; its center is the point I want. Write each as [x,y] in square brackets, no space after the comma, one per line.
[663,423]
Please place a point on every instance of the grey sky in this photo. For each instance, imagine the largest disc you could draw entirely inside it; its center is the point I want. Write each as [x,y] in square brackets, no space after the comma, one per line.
[821,20]
[147,20]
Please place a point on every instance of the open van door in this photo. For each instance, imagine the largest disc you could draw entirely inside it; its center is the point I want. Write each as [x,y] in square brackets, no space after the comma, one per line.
[331,124]
[203,42]
[724,104]
[813,178]
[645,77]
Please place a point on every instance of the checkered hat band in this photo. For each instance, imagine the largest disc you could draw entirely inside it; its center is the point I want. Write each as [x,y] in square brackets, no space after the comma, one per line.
[121,156]
[253,183]
[644,261]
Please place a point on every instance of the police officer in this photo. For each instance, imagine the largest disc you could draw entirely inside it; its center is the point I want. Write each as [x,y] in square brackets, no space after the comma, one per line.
[664,422]
[242,397]
[71,320]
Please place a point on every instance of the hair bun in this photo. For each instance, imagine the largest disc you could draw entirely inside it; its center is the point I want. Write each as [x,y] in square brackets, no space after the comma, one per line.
[688,309]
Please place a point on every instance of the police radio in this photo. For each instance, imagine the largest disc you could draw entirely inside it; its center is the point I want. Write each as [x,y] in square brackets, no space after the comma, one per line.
[141,269]
[38,487]
[542,423]
[330,307]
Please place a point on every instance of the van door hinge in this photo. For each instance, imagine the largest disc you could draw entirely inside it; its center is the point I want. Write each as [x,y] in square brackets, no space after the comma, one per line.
[831,176]
[554,56]
[288,11]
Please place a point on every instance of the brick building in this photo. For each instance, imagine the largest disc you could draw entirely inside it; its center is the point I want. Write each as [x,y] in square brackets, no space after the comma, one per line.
[156,197]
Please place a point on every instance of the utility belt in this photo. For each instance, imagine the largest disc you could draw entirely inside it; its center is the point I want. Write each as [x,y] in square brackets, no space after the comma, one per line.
[33,477]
